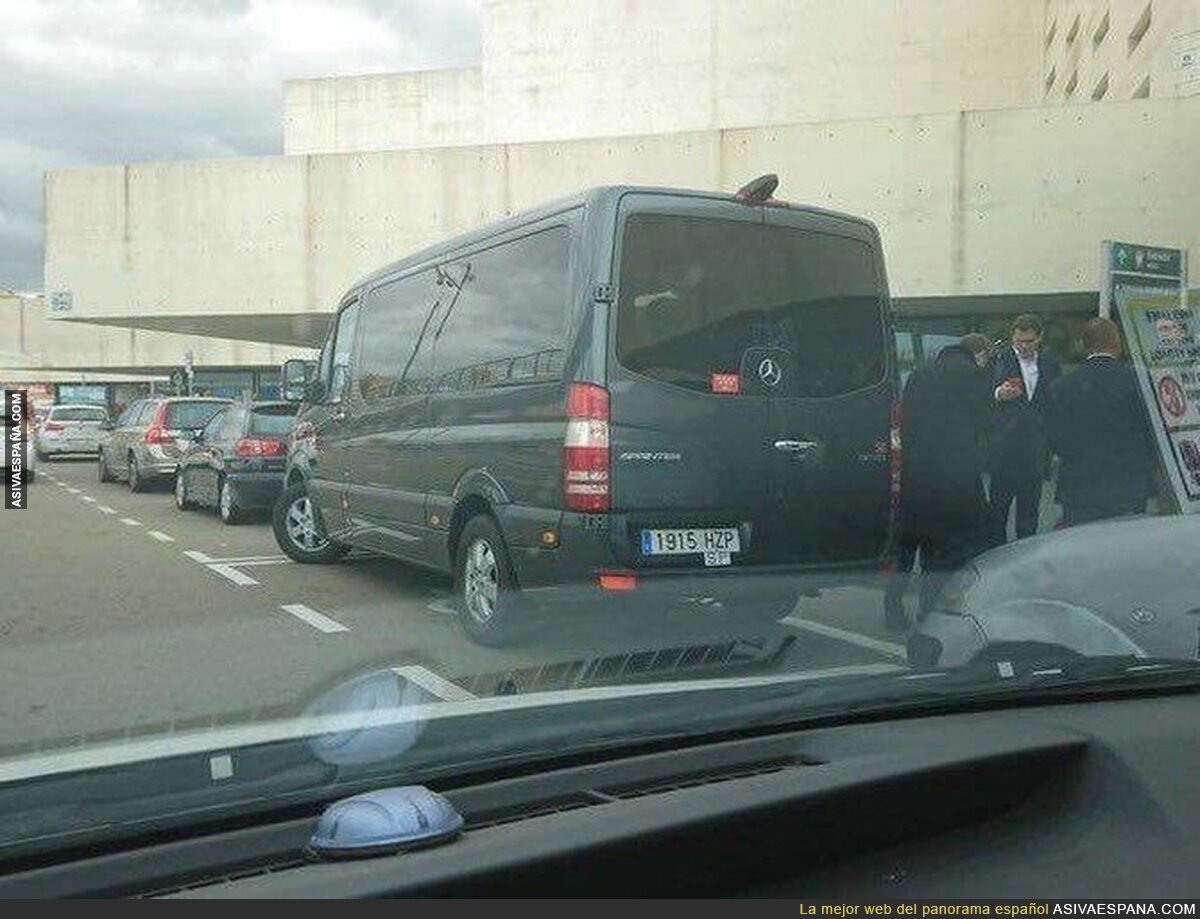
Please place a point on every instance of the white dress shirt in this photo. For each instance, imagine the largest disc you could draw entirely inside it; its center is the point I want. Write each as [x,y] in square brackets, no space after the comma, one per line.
[1029,373]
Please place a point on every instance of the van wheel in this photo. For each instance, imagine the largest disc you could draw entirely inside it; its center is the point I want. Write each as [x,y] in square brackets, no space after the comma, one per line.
[104,472]
[136,482]
[227,505]
[484,583]
[299,531]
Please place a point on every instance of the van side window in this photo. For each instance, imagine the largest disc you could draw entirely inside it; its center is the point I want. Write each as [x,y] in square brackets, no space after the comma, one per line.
[508,324]
[397,336]
[343,348]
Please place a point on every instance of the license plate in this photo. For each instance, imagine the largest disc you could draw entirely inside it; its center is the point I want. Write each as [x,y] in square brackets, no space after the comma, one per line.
[720,542]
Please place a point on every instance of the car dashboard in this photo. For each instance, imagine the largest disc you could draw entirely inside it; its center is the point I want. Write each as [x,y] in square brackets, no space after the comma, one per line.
[1087,799]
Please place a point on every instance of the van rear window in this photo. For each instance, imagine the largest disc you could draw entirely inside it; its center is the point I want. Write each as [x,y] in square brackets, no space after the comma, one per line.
[193,415]
[273,419]
[704,296]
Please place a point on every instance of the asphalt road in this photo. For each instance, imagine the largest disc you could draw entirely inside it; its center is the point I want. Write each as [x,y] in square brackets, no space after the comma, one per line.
[123,616]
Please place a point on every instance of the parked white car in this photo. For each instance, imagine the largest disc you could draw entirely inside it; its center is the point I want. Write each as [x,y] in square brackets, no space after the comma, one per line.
[69,429]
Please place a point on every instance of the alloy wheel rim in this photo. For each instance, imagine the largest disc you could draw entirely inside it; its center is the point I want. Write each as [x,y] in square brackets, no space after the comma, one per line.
[301,525]
[481,585]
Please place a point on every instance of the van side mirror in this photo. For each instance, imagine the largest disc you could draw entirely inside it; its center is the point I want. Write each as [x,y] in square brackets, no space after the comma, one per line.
[314,392]
[296,375]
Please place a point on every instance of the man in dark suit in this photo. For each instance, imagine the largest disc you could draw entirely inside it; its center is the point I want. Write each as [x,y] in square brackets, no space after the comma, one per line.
[1100,429]
[946,407]
[1019,452]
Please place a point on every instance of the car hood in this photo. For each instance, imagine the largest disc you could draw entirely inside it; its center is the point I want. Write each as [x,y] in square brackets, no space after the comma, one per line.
[1133,581]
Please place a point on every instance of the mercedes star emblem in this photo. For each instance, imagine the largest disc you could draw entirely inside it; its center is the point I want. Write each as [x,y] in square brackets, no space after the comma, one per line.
[769,372]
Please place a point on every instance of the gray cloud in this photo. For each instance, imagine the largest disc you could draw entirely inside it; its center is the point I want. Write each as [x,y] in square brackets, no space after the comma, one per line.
[97,82]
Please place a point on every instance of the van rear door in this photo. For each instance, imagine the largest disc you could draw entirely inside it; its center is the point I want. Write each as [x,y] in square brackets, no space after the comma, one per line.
[831,405]
[750,361]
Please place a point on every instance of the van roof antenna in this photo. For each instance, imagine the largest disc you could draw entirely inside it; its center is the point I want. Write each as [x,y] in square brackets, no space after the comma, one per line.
[759,190]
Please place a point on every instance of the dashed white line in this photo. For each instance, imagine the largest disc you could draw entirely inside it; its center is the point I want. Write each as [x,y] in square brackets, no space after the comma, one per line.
[312,617]
[433,683]
[73,491]
[161,537]
[88,498]
[854,638]
[196,556]
[444,606]
[252,562]
[130,522]
[104,508]
[232,574]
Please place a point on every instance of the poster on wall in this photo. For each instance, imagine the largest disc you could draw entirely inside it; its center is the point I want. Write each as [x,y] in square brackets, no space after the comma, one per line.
[1144,288]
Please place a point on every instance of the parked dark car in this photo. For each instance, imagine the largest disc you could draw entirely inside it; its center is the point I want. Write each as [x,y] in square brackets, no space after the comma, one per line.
[235,464]
[145,443]
[647,394]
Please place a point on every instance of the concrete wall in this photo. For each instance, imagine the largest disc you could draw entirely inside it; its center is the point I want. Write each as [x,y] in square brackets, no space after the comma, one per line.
[569,69]
[394,111]
[992,202]
[1088,51]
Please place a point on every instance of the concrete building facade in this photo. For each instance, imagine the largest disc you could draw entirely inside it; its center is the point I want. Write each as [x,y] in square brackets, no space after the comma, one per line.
[934,118]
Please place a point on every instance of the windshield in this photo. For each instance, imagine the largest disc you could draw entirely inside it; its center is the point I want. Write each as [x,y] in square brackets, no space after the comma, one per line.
[273,419]
[193,415]
[78,414]
[654,371]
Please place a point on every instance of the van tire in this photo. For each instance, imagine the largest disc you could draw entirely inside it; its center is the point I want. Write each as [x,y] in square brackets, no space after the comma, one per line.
[103,472]
[137,483]
[289,502]
[484,584]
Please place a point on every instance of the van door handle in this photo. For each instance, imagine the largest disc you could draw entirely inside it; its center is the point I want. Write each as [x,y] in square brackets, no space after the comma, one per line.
[796,446]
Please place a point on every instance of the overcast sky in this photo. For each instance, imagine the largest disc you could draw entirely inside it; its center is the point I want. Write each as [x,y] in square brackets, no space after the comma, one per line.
[93,82]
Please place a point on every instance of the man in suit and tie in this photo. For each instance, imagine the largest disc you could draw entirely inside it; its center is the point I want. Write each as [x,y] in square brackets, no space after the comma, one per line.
[1100,429]
[1022,378]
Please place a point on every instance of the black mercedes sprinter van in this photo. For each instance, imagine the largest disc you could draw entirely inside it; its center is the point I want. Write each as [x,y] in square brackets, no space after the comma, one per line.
[635,393]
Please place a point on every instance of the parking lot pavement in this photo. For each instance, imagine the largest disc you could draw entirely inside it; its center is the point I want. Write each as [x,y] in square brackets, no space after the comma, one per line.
[126,614]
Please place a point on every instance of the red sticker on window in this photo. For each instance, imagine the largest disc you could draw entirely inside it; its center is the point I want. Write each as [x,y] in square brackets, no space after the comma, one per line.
[725,384]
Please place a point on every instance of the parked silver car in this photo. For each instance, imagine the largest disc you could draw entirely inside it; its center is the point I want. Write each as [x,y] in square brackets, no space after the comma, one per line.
[69,429]
[1118,587]
[145,443]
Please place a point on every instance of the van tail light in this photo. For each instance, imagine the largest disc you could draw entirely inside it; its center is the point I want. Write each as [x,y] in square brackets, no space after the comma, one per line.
[157,432]
[897,454]
[259,446]
[54,426]
[585,449]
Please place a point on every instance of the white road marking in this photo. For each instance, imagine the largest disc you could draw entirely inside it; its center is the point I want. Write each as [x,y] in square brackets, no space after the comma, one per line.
[161,537]
[232,574]
[251,562]
[437,685]
[315,619]
[104,508]
[73,491]
[443,605]
[854,638]
[130,522]
[225,570]
[89,499]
